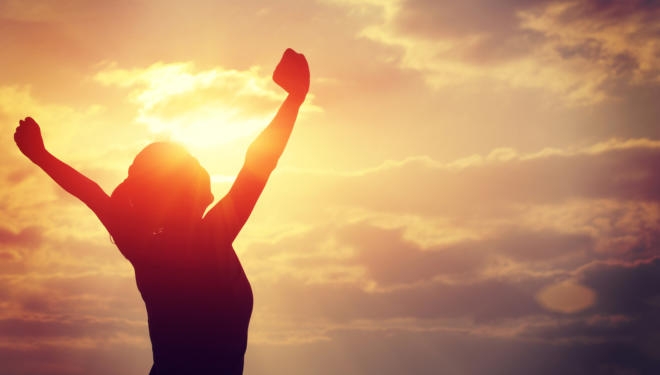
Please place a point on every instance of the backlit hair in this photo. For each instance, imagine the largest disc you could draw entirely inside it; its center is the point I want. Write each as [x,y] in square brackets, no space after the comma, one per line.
[164,182]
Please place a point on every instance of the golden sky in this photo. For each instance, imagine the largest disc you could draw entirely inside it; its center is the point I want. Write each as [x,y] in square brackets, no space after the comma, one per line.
[472,186]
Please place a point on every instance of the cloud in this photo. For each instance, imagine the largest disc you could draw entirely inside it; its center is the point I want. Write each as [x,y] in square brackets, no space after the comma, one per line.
[49,328]
[392,351]
[62,127]
[503,183]
[375,239]
[390,259]
[593,340]
[617,36]
[629,288]
[523,263]
[106,359]
[580,52]
[399,279]
[482,301]
[26,237]
[51,316]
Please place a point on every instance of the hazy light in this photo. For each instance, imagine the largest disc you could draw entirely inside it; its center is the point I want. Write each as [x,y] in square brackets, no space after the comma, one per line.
[566,297]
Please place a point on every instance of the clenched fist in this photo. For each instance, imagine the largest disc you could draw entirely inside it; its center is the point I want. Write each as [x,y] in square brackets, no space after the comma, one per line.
[28,138]
[292,74]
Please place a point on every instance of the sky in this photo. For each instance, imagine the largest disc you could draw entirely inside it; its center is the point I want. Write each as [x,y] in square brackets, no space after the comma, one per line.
[472,187]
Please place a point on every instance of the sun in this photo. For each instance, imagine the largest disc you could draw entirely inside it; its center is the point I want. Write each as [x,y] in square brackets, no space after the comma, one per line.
[204,128]
[200,109]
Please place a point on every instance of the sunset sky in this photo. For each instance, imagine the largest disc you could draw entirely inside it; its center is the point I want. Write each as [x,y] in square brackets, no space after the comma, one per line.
[472,187]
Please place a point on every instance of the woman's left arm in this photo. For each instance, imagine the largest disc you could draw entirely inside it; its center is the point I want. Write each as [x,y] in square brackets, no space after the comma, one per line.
[231,213]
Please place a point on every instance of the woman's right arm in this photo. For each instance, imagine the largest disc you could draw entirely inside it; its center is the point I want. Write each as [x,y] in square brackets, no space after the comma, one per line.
[29,140]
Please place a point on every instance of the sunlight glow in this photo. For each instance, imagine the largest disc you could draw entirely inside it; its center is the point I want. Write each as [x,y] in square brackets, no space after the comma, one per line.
[217,126]
[198,109]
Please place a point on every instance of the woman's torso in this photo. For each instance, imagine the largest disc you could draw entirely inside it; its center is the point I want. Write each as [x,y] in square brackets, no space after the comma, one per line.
[198,302]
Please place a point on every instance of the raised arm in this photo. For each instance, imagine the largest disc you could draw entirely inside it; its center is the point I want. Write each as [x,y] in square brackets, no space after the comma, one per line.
[29,140]
[231,213]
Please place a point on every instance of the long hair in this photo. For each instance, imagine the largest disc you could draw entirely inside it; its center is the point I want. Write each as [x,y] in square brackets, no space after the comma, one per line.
[165,185]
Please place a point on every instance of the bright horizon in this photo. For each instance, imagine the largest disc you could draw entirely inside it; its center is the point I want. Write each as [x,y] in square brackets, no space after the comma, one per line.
[471,187]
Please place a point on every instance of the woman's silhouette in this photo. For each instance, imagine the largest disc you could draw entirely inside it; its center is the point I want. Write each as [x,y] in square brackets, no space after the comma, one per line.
[197,296]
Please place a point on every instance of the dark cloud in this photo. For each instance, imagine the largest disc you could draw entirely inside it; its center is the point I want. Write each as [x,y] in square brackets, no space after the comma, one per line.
[612,10]
[592,329]
[496,25]
[432,19]
[74,328]
[603,46]
[540,245]
[625,319]
[482,301]
[108,359]
[391,259]
[589,343]
[102,295]
[500,20]
[405,274]
[626,288]
[620,333]
[393,352]
[640,17]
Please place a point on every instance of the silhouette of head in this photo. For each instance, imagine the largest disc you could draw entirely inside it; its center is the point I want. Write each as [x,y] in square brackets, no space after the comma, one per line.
[166,187]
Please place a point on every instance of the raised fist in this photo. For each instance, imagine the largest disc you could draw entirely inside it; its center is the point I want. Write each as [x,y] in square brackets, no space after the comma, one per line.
[28,138]
[292,74]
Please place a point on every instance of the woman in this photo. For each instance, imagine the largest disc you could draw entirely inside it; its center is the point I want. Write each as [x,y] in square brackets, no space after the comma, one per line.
[197,296]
